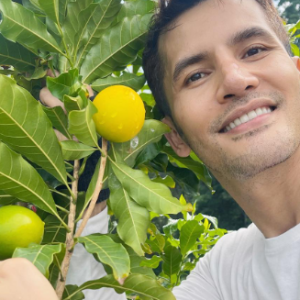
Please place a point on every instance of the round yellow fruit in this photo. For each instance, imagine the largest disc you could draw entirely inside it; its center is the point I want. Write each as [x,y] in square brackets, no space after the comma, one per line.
[19,226]
[121,113]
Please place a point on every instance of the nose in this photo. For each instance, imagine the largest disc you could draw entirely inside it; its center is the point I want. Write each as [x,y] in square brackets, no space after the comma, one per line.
[235,81]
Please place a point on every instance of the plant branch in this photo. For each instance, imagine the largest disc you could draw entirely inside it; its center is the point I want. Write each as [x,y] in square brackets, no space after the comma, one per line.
[97,190]
[62,209]
[59,193]
[70,236]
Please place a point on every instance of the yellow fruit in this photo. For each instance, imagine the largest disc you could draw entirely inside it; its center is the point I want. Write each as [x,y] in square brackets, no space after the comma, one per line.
[19,226]
[121,113]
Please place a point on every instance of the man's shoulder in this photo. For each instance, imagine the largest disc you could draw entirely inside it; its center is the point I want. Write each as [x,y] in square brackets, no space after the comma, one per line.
[237,241]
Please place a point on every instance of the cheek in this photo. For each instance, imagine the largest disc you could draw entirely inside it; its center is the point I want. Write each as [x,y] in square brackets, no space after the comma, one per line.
[194,114]
[283,75]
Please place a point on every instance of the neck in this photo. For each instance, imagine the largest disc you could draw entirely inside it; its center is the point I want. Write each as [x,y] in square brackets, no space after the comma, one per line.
[271,199]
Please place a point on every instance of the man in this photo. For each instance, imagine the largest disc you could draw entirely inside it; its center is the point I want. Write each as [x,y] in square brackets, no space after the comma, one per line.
[230,91]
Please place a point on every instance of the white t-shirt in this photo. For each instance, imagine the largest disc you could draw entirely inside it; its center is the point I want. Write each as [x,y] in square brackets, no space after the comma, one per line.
[84,267]
[244,265]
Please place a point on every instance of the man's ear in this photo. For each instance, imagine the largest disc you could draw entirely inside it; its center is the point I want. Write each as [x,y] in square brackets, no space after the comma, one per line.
[175,140]
[296,61]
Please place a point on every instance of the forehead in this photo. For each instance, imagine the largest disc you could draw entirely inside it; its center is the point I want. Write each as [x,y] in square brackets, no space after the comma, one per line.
[208,25]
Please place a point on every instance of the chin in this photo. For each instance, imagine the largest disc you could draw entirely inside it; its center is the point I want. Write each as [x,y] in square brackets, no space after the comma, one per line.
[260,153]
[259,159]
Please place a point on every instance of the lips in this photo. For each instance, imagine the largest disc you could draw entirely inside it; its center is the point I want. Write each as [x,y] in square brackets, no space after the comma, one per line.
[247,113]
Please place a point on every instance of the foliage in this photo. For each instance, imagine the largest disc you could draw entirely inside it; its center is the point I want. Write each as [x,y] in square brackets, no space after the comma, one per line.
[96,42]
[221,205]
[291,10]
[294,31]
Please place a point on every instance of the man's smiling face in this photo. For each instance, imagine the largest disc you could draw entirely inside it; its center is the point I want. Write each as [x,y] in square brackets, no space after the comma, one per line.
[233,90]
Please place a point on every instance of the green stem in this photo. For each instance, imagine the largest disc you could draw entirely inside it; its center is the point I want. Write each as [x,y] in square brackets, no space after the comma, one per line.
[59,193]
[50,65]
[67,55]
[83,164]
[62,209]
[63,223]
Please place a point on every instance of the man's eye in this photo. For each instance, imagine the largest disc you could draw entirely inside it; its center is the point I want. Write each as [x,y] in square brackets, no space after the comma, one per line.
[254,51]
[196,77]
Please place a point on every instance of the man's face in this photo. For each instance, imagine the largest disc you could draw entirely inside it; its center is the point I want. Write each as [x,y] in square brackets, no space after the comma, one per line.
[232,88]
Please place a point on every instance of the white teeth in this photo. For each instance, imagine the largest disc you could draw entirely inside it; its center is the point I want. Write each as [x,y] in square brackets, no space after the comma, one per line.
[252,114]
[247,117]
[237,122]
[259,111]
[244,118]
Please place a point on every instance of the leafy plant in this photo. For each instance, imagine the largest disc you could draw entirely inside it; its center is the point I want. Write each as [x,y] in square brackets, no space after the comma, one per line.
[294,31]
[96,42]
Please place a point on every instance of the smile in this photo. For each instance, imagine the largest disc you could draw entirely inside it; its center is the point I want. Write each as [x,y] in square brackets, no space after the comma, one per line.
[247,117]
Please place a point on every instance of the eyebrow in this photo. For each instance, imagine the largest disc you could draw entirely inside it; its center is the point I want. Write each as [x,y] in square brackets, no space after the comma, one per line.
[249,33]
[237,38]
[186,62]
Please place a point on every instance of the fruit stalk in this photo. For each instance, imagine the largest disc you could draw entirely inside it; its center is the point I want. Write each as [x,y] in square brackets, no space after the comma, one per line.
[97,190]
[70,235]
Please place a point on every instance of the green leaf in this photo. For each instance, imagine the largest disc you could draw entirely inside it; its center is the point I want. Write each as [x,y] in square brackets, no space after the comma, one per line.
[148,99]
[212,219]
[82,125]
[166,180]
[6,199]
[135,260]
[295,50]
[75,103]
[42,256]
[19,179]
[171,260]
[53,275]
[27,4]
[25,127]
[73,150]
[135,283]
[116,48]
[58,119]
[64,84]
[157,243]
[127,79]
[90,191]
[137,7]
[184,177]
[54,231]
[109,253]
[62,10]
[198,168]
[21,25]
[93,25]
[151,132]
[154,196]
[71,293]
[189,234]
[78,15]
[50,7]
[133,218]
[147,154]
[152,263]
[136,264]
[16,55]
[37,74]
